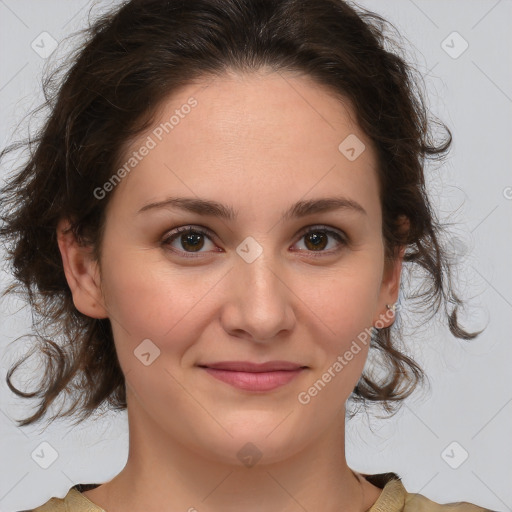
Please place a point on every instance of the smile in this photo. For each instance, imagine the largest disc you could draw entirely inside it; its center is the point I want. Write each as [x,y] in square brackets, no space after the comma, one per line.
[254,381]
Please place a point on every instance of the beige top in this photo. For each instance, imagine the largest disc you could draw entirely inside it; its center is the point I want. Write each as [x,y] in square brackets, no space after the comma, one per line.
[393,498]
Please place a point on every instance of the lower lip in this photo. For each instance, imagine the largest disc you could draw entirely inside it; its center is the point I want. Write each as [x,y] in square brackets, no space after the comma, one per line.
[252,381]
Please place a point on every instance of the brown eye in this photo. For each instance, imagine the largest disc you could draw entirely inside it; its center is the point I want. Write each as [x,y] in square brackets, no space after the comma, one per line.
[192,241]
[188,239]
[317,239]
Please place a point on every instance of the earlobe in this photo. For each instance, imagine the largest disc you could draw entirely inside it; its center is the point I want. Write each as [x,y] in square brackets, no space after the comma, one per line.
[82,273]
[393,279]
[389,291]
[392,273]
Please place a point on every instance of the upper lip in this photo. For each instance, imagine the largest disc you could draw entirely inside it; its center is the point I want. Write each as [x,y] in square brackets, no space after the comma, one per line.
[246,366]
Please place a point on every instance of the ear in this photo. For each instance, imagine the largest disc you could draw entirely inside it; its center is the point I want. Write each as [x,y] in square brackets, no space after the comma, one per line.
[389,290]
[390,285]
[82,273]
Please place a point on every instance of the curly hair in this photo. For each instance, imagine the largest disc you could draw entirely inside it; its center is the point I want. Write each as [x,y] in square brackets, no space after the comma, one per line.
[109,90]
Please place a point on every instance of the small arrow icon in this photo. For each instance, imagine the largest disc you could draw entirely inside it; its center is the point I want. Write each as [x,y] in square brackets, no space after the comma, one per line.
[249,455]
[454,455]
[454,45]
[351,147]
[44,455]
[249,249]
[146,352]
[44,44]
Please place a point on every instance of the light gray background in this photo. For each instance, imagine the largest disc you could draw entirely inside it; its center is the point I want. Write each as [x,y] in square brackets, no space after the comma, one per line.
[471,395]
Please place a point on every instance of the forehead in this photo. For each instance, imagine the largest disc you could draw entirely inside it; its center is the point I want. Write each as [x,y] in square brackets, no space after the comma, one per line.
[275,108]
[256,135]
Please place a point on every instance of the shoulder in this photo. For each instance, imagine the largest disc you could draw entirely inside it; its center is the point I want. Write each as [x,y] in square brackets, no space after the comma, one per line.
[52,505]
[420,503]
[74,501]
[395,498]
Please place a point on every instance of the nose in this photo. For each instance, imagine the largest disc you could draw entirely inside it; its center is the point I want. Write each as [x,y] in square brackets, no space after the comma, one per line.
[259,302]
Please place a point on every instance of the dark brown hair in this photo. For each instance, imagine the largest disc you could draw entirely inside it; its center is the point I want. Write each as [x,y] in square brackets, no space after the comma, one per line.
[133,58]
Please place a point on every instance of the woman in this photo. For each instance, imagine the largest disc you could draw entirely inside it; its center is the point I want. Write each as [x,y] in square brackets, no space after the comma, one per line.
[225,194]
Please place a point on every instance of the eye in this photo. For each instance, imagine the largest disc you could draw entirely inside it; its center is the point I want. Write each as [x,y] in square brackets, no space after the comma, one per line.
[190,238]
[316,239]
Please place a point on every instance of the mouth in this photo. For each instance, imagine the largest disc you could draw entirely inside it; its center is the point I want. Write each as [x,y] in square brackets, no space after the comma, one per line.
[254,376]
[247,366]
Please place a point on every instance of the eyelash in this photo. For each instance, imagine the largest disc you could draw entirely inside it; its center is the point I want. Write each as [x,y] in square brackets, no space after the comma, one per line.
[341,238]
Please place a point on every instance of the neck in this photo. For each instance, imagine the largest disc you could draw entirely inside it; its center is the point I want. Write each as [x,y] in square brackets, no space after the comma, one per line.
[162,475]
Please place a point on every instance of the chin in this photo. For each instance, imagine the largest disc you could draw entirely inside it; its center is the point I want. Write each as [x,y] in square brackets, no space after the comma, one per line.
[254,442]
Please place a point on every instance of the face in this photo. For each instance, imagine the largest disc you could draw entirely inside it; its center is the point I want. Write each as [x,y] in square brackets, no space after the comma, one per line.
[258,286]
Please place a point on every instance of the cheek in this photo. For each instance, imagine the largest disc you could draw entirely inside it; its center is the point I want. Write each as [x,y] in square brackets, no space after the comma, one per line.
[342,340]
[139,300]
[346,302]
[147,298]
[344,310]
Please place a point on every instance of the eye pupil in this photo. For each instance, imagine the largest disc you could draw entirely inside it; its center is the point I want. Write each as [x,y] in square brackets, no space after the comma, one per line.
[192,239]
[317,241]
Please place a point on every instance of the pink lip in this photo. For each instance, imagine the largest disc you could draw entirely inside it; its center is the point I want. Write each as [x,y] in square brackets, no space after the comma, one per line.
[255,381]
[247,366]
[253,376]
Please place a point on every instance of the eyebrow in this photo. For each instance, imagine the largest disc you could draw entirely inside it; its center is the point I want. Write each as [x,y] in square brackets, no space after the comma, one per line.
[216,209]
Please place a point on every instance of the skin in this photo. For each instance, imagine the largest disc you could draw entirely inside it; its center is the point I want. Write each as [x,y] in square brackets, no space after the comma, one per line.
[257,142]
